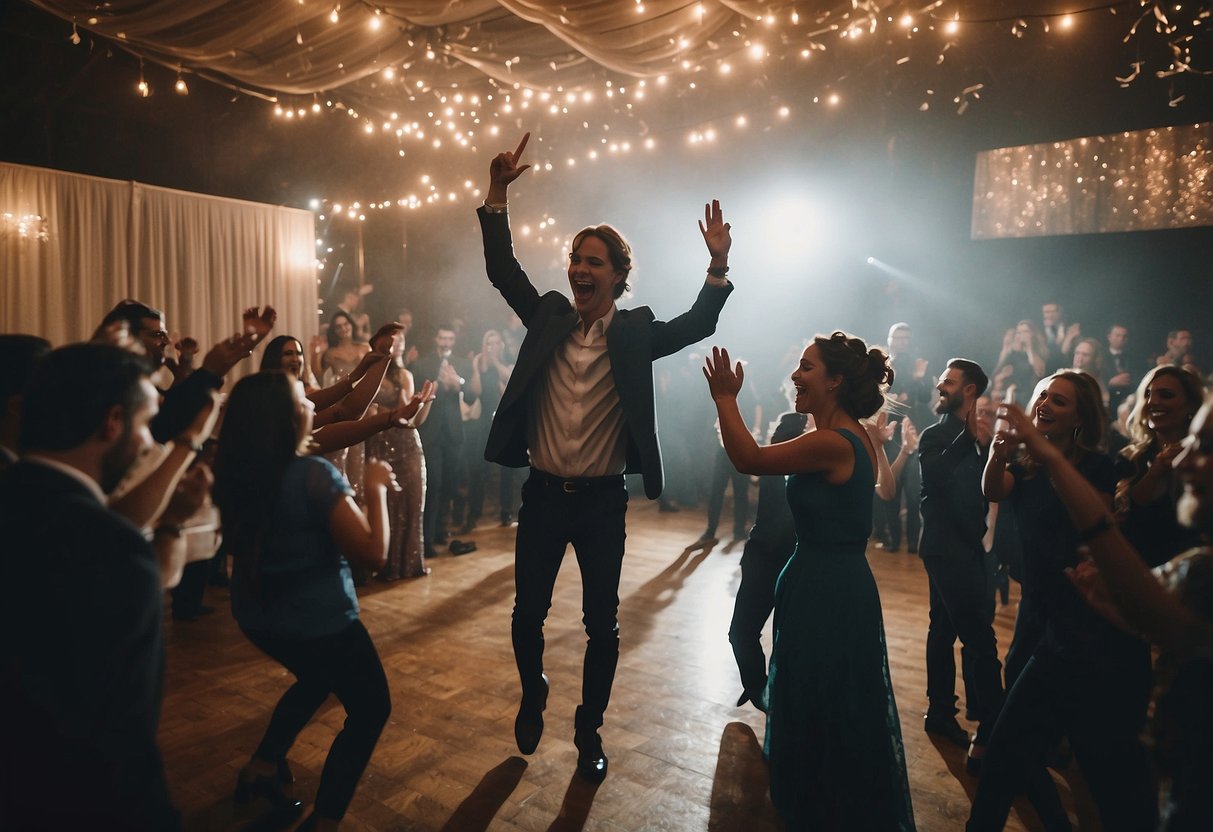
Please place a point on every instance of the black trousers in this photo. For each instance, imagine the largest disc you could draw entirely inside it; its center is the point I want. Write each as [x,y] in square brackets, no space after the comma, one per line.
[1102,712]
[761,563]
[724,473]
[443,467]
[345,664]
[589,514]
[962,607]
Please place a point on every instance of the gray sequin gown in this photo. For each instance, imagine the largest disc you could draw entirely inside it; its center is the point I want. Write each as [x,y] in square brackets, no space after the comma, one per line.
[401,448]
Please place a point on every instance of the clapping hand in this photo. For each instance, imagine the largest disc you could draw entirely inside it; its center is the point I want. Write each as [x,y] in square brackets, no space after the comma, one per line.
[724,381]
[378,475]
[401,415]
[880,429]
[381,341]
[909,436]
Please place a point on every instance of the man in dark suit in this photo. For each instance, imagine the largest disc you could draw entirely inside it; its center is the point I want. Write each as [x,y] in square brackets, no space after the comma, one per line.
[952,456]
[442,436]
[1120,377]
[83,655]
[579,410]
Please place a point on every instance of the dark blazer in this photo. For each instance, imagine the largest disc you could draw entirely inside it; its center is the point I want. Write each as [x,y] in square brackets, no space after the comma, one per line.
[82,660]
[445,422]
[634,341]
[953,507]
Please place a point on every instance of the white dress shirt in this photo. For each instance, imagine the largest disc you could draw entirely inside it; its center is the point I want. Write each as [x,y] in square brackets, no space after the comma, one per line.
[577,428]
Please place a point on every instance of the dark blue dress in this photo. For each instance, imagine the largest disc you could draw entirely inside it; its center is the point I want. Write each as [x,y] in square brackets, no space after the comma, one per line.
[833,736]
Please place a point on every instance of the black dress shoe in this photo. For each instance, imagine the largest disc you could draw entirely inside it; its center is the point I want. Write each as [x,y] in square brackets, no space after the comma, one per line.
[591,761]
[974,759]
[948,728]
[462,547]
[528,725]
[284,808]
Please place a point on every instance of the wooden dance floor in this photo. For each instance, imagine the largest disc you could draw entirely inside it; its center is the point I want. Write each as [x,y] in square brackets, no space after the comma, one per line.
[681,756]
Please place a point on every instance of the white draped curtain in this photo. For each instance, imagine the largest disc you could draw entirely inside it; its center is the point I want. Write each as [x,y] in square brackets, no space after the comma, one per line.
[72,246]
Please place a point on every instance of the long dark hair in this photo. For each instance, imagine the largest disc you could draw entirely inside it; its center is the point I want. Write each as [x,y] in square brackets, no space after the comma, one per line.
[331,333]
[271,359]
[259,439]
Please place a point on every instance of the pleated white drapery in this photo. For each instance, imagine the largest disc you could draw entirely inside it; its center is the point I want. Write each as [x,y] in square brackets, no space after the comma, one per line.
[72,246]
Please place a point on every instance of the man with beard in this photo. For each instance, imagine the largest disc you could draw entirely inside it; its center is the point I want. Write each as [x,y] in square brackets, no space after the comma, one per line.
[83,657]
[952,456]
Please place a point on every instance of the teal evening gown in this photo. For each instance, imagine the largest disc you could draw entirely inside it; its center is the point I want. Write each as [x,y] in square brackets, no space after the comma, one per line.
[833,737]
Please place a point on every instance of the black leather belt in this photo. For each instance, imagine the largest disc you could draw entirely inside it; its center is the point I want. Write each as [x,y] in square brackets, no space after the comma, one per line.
[572,485]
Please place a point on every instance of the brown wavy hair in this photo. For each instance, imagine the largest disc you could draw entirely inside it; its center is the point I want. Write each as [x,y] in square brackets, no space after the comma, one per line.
[866,373]
[617,249]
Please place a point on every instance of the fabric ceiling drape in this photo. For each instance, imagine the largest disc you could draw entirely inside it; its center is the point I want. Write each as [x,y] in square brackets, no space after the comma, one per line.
[72,246]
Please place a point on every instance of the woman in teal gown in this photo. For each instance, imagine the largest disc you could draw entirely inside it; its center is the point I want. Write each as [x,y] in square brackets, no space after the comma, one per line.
[833,736]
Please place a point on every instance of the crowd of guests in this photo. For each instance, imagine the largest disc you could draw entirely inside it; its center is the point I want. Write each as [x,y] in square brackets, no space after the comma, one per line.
[357,454]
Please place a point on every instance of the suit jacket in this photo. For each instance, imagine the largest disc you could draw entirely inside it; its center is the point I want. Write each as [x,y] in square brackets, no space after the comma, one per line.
[83,660]
[634,340]
[953,507]
[444,425]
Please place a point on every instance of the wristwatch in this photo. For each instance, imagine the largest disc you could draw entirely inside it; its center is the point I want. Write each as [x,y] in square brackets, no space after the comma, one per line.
[500,208]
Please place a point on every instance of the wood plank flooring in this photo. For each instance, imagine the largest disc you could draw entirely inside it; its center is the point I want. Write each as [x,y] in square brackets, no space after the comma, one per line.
[682,757]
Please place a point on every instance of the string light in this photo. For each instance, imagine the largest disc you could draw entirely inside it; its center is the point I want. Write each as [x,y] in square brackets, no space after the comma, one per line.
[181,87]
[142,87]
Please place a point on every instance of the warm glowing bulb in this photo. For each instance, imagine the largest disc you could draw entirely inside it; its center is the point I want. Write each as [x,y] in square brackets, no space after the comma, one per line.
[784,112]
[758,52]
[833,99]
[906,21]
[181,87]
[333,15]
[952,27]
[741,121]
[1067,21]
[389,74]
[375,21]
[143,88]
[725,69]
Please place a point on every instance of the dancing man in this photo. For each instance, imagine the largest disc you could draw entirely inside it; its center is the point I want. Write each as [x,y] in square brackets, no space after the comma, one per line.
[579,411]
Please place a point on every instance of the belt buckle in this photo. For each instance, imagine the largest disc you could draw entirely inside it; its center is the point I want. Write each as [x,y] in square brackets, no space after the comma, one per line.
[569,487]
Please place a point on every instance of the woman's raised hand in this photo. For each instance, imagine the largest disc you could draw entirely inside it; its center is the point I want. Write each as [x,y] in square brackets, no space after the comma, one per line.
[1020,429]
[401,415]
[504,169]
[724,381]
[715,230]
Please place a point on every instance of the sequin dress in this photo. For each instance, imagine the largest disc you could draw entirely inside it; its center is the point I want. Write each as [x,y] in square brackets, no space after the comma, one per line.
[401,448]
[833,735]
